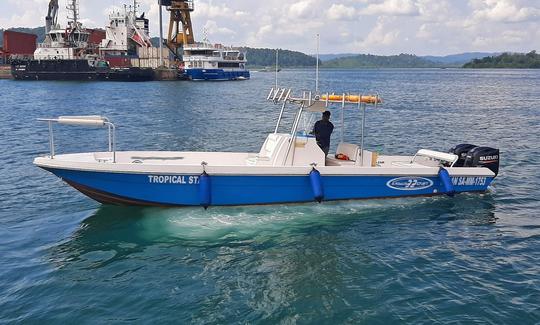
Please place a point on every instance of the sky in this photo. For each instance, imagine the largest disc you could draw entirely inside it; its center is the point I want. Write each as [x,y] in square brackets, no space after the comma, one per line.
[384,27]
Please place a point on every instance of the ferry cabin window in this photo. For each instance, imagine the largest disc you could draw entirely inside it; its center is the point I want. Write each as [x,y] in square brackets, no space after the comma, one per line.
[201,52]
[228,64]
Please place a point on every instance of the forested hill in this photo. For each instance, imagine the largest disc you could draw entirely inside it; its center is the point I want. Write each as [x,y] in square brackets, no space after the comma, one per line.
[530,60]
[377,61]
[287,59]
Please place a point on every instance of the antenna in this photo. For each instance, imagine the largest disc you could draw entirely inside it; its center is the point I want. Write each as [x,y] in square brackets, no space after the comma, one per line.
[317,67]
[277,67]
[205,36]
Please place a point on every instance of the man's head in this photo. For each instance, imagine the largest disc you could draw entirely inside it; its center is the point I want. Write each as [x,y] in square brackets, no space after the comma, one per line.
[326,116]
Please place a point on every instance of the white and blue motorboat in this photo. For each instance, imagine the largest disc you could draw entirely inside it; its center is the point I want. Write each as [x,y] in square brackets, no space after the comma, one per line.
[206,61]
[289,168]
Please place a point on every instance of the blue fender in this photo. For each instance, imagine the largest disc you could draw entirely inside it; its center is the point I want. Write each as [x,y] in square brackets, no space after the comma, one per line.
[316,185]
[205,192]
[447,182]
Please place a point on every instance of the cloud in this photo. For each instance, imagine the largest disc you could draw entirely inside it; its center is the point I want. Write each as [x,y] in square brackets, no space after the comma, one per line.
[503,11]
[376,26]
[208,10]
[424,32]
[508,37]
[305,9]
[380,35]
[341,12]
[392,8]
[213,29]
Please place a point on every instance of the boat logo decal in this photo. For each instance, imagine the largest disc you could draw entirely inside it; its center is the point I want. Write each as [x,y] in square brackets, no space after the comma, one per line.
[409,183]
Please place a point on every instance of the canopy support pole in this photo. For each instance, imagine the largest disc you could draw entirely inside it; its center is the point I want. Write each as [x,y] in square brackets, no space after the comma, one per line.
[293,134]
[51,139]
[342,131]
[363,133]
[282,110]
[317,68]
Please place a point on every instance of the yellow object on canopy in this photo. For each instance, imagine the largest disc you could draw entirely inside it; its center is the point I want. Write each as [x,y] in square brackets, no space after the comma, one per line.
[352,99]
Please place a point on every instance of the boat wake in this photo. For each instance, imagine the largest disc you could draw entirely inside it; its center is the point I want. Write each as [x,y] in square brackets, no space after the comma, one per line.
[228,225]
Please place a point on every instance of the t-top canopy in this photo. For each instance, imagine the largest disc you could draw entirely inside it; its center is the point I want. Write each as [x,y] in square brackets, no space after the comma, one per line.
[88,120]
[370,99]
[319,103]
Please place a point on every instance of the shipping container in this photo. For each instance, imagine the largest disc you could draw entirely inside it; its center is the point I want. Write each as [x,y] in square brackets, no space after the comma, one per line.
[148,63]
[149,58]
[119,61]
[16,43]
[96,36]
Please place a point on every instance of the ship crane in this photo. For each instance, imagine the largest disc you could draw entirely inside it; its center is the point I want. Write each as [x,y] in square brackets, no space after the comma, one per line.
[52,16]
[180,27]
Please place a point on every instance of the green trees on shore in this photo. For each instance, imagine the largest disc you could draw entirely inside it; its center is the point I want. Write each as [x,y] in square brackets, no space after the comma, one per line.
[530,60]
[379,61]
[287,59]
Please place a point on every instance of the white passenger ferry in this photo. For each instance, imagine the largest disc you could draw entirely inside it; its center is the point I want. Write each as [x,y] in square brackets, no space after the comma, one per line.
[206,61]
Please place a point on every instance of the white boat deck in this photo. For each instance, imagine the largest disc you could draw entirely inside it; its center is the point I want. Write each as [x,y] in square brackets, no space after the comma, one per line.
[234,163]
[239,159]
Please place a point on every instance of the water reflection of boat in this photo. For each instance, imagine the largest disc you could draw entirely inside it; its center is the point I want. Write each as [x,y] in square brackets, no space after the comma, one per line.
[289,168]
[269,69]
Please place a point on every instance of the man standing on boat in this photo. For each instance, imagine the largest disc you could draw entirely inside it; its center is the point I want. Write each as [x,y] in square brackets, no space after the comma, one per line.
[322,131]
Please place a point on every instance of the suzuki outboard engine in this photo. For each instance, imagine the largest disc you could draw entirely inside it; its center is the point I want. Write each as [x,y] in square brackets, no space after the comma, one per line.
[483,157]
[461,151]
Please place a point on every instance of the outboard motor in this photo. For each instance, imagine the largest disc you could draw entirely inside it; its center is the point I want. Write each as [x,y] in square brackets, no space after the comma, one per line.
[461,151]
[483,157]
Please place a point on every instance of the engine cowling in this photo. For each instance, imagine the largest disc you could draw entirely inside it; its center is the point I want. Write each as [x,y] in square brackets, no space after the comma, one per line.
[483,157]
[461,151]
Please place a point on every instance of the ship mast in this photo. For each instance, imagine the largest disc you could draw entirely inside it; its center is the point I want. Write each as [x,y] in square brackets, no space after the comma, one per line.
[135,6]
[73,12]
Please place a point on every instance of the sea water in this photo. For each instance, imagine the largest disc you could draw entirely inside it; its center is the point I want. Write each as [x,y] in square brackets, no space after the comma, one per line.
[469,259]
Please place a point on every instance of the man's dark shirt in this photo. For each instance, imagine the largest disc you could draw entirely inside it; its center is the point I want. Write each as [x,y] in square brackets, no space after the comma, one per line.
[323,131]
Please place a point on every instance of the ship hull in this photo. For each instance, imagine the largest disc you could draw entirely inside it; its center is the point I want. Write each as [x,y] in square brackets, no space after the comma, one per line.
[217,74]
[76,70]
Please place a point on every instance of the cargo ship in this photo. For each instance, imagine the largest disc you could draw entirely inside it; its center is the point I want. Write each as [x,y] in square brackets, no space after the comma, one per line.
[66,54]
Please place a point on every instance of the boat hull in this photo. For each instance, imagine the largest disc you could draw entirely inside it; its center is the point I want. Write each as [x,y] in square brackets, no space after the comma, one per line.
[76,70]
[224,190]
[217,74]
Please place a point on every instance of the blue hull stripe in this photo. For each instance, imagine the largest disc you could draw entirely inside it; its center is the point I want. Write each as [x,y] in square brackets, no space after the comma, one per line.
[216,74]
[183,190]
